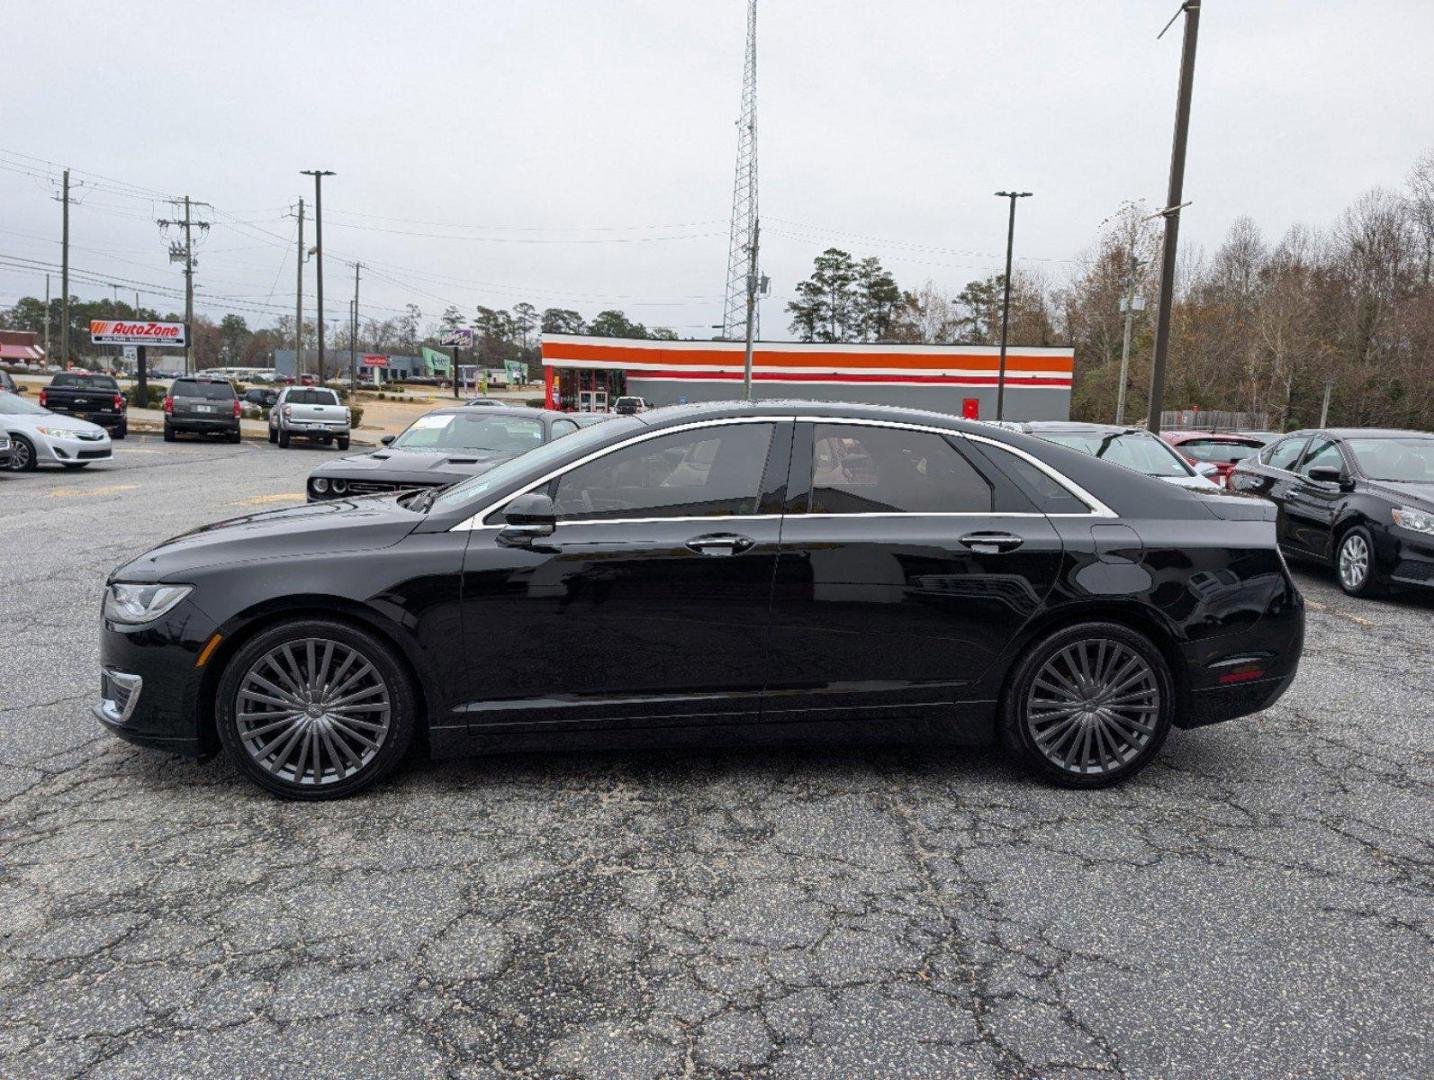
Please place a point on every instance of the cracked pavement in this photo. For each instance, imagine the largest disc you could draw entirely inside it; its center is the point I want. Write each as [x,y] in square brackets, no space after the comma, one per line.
[1257,903]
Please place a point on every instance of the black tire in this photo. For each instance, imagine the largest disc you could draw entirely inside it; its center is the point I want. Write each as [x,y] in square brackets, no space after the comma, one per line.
[74,464]
[343,442]
[1082,670]
[236,436]
[248,750]
[22,454]
[120,432]
[283,439]
[1354,564]
[273,435]
[168,433]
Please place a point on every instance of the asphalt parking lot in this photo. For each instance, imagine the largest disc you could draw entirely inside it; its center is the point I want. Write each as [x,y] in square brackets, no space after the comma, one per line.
[1258,903]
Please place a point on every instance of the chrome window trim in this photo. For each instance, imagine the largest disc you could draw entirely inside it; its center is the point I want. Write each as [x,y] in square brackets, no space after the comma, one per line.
[1098,509]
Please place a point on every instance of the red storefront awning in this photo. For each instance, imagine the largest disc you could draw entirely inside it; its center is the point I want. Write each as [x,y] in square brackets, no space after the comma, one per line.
[26,354]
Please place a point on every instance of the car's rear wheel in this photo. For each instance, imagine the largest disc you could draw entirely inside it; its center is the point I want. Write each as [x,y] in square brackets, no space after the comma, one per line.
[22,454]
[121,431]
[1089,705]
[1354,563]
[283,438]
[343,441]
[168,433]
[273,436]
[315,709]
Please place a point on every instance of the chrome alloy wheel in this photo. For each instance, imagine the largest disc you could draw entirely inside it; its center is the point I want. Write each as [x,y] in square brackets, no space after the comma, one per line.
[1353,561]
[313,711]
[1093,706]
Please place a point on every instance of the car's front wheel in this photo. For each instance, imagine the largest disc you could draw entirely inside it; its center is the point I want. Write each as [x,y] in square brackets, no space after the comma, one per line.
[315,709]
[1354,563]
[22,454]
[1089,705]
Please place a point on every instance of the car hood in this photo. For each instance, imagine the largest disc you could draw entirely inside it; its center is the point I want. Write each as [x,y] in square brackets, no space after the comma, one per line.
[412,467]
[28,422]
[1420,495]
[314,529]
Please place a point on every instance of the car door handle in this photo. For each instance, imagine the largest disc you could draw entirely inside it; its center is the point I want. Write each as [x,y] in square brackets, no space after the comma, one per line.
[991,543]
[720,544]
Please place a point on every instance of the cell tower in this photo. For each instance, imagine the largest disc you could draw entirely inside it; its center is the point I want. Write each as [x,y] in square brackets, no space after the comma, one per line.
[742,245]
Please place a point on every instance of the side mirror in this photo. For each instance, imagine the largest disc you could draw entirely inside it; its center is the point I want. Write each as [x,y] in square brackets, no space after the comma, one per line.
[386,440]
[1327,474]
[1207,469]
[529,517]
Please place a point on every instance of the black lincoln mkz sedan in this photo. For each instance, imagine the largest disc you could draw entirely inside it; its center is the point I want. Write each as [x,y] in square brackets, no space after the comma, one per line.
[1358,499]
[698,575]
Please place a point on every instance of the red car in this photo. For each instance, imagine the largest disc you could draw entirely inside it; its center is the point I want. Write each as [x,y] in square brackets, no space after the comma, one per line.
[1224,450]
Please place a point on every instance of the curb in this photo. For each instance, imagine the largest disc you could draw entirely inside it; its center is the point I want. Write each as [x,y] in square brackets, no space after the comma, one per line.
[149,427]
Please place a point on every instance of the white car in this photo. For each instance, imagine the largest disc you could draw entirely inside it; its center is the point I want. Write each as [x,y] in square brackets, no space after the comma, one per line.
[1135,448]
[38,435]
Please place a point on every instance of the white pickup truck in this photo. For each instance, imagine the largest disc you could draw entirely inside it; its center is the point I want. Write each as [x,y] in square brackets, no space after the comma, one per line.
[309,412]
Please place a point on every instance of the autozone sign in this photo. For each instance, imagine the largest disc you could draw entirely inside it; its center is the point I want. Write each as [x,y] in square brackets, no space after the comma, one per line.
[375,360]
[119,332]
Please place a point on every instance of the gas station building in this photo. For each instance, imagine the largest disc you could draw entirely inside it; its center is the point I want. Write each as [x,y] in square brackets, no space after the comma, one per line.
[584,374]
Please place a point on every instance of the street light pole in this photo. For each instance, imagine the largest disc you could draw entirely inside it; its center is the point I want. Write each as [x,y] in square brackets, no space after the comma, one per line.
[318,175]
[1006,303]
[1171,213]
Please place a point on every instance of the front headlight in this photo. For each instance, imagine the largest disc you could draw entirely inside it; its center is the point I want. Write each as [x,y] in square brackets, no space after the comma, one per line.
[59,432]
[142,603]
[1418,520]
[340,486]
[319,484]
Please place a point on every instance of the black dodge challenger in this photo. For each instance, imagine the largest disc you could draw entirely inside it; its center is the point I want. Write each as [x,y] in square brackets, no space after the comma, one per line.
[769,572]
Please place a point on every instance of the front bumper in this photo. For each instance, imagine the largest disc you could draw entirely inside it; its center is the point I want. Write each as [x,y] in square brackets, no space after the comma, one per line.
[1407,556]
[57,449]
[149,686]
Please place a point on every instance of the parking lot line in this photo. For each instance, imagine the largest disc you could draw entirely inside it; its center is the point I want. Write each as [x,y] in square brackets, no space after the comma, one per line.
[108,489]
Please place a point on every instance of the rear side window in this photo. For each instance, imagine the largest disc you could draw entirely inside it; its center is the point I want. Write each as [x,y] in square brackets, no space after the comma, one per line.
[858,469]
[209,391]
[1048,494]
[1285,453]
[563,427]
[311,397]
[709,472]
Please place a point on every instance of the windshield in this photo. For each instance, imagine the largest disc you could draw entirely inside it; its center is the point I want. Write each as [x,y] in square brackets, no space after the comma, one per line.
[1218,450]
[1133,449]
[1404,460]
[471,431]
[10,405]
[312,397]
[568,448]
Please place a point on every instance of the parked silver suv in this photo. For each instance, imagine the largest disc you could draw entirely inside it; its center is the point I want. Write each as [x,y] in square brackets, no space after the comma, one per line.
[309,412]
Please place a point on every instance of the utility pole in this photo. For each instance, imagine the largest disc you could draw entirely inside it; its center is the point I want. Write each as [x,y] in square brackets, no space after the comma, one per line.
[185,254]
[65,275]
[47,318]
[1324,408]
[318,175]
[1125,345]
[751,309]
[353,337]
[1006,304]
[299,300]
[1171,213]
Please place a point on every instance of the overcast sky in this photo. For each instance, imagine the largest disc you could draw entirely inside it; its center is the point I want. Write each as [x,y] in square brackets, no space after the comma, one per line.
[580,154]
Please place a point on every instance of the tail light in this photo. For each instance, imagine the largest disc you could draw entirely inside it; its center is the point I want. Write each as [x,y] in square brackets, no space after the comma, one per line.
[119,403]
[168,403]
[43,396]
[238,410]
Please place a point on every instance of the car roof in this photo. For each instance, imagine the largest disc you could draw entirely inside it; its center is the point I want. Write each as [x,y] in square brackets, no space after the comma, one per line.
[1363,433]
[492,410]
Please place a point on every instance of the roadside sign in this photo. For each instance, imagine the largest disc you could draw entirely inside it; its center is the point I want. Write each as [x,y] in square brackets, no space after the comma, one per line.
[138,332]
[375,360]
[461,338]
[131,354]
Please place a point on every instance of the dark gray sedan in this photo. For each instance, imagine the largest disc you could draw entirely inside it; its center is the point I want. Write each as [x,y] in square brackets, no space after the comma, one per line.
[441,448]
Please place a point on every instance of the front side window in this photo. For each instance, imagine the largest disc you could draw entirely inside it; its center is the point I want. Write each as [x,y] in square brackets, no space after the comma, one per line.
[475,431]
[1285,453]
[706,472]
[858,469]
[1322,454]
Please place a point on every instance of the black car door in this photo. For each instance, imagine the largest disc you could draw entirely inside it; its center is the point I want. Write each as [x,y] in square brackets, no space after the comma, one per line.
[1272,475]
[1311,505]
[649,604]
[907,564]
